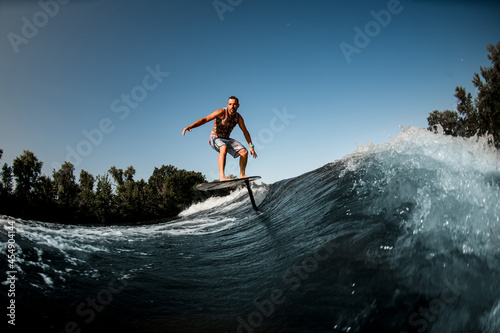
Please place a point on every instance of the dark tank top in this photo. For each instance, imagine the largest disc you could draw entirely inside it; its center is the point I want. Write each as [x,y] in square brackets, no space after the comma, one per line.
[223,126]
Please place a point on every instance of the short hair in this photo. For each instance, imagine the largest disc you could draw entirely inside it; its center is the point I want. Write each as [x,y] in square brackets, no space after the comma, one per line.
[235,98]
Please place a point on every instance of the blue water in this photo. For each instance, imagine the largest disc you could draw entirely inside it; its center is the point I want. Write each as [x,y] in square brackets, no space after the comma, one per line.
[398,237]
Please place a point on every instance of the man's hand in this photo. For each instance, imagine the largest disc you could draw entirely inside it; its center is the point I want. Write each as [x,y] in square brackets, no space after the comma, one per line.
[252,151]
[186,129]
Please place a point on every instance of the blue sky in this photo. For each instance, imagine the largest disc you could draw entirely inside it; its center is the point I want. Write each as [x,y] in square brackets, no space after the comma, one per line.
[105,82]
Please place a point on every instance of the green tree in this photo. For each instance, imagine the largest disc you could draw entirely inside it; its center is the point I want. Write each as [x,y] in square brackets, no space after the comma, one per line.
[467,111]
[46,206]
[6,183]
[86,197]
[181,191]
[480,115]
[6,200]
[169,190]
[449,121]
[137,199]
[117,175]
[6,179]
[129,174]
[27,169]
[66,187]
[157,193]
[47,190]
[488,96]
[130,195]
[103,199]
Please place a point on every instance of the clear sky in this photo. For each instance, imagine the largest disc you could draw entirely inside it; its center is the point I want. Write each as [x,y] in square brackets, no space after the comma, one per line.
[104,83]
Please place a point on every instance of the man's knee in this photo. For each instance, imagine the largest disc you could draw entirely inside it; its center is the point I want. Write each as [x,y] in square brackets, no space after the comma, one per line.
[223,149]
[243,152]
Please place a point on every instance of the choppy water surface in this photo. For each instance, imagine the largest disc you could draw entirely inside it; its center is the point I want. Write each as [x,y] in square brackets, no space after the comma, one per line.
[403,236]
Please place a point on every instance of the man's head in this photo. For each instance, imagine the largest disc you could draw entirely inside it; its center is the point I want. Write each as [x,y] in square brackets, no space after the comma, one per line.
[233,104]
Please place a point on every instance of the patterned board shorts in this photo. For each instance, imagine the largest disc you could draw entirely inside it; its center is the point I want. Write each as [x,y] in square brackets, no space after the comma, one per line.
[233,146]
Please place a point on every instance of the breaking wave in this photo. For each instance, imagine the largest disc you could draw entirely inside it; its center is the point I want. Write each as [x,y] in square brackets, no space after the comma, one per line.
[398,237]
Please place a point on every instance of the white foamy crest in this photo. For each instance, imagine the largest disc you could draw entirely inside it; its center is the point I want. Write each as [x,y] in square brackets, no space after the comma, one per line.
[450,184]
[237,198]
[213,202]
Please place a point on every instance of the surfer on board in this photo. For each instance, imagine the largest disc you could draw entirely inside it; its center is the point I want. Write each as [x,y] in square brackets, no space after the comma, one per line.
[225,120]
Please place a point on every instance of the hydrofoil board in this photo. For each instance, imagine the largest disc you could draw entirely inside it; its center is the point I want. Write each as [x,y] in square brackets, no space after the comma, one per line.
[217,185]
[231,183]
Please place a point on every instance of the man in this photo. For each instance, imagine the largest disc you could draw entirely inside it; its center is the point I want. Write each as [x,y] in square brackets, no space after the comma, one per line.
[225,120]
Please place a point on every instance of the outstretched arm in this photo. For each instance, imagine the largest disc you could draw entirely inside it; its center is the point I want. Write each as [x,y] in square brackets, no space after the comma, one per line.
[241,123]
[203,121]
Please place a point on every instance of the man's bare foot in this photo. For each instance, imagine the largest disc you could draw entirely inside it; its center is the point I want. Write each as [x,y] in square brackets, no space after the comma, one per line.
[243,176]
[223,179]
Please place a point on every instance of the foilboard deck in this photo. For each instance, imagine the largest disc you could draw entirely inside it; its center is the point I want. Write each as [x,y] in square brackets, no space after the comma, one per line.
[217,185]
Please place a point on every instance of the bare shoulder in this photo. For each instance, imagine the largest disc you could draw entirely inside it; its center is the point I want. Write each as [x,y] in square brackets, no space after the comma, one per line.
[220,112]
[216,114]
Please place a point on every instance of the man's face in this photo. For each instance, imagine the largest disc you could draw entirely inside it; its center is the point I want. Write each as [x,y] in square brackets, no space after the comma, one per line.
[232,105]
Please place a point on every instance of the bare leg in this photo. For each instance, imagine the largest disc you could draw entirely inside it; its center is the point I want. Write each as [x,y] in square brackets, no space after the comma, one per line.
[222,163]
[243,162]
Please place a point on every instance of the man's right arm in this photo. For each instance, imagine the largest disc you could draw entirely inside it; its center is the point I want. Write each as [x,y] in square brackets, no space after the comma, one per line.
[203,121]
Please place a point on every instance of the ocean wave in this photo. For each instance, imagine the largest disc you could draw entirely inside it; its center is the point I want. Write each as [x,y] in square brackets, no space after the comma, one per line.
[403,236]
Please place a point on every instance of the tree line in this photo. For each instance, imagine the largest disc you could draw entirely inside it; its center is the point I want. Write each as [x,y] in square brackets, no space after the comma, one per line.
[479,115]
[112,198]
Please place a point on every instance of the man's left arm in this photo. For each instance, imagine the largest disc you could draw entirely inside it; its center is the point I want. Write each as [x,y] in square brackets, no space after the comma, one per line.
[241,123]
